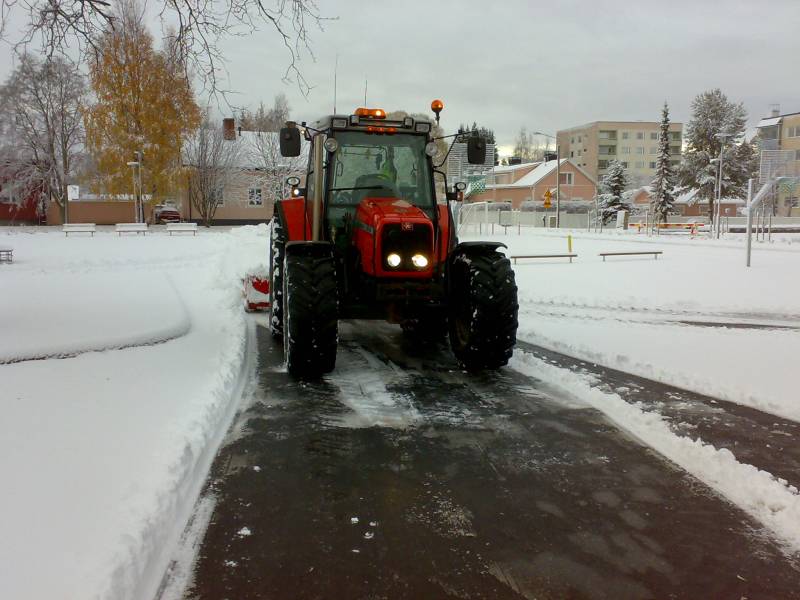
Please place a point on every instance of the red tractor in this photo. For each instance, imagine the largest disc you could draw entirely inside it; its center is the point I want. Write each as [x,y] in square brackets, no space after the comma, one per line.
[367,239]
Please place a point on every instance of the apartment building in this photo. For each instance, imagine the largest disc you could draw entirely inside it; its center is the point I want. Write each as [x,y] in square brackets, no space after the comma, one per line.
[782,133]
[634,143]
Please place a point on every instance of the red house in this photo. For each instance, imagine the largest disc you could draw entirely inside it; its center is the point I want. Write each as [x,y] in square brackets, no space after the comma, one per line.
[26,212]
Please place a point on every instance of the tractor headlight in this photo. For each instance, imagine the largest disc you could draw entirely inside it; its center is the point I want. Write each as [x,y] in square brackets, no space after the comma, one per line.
[419,261]
[393,260]
[331,145]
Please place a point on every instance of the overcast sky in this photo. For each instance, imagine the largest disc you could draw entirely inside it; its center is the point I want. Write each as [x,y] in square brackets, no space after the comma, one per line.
[544,65]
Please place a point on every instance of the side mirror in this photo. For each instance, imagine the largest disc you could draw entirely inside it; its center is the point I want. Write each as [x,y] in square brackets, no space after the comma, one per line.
[290,141]
[293,181]
[476,150]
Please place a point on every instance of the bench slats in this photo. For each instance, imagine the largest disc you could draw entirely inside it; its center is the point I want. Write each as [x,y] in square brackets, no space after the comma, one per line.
[655,254]
[569,256]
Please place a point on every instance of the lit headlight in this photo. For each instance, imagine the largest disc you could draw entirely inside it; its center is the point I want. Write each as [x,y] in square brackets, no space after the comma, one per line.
[419,261]
[393,260]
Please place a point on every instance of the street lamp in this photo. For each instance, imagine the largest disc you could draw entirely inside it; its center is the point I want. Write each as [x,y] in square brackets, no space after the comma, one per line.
[717,211]
[136,165]
[558,175]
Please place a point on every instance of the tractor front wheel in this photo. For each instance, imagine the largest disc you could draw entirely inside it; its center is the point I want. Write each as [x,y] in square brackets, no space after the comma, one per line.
[310,315]
[483,309]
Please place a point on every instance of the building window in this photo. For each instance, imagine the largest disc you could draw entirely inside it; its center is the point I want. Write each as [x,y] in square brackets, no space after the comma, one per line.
[602,164]
[640,135]
[652,165]
[579,152]
[626,149]
[640,150]
[793,132]
[653,150]
[674,163]
[675,136]
[674,149]
[571,154]
[607,135]
[624,164]
[566,179]
[653,135]
[579,139]
[640,164]
[572,140]
[625,135]
[607,150]
[254,197]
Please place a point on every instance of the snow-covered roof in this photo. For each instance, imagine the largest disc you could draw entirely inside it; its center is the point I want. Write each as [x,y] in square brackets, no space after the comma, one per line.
[512,168]
[768,122]
[541,171]
[689,197]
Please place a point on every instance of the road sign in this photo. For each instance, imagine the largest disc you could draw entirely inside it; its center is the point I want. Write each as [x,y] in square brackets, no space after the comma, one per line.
[548,195]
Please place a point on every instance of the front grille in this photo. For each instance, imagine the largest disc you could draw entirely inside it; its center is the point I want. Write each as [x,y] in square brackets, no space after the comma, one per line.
[406,243]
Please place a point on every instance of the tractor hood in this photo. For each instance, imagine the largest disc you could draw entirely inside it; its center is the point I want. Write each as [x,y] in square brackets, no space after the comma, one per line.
[390,208]
[386,226]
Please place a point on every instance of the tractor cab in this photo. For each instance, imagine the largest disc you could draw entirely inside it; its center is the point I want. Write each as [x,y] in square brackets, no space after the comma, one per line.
[368,229]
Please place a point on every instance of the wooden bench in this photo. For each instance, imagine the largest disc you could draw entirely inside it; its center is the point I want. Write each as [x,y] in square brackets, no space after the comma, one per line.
[6,254]
[569,256]
[655,253]
[68,228]
[136,228]
[182,227]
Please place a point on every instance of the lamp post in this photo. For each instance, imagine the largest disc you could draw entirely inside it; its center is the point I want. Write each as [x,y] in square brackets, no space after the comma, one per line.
[717,217]
[137,186]
[558,175]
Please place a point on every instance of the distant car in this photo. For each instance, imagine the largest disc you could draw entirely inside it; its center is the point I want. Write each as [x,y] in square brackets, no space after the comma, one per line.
[166,213]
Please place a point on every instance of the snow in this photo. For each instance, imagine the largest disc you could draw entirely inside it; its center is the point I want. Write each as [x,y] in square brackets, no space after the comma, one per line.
[103,454]
[661,318]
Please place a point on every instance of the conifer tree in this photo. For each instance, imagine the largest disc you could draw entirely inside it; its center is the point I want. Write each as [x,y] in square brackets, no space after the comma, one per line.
[613,185]
[664,182]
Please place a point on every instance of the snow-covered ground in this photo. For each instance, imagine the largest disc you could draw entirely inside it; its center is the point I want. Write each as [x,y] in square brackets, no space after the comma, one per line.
[121,370]
[696,318]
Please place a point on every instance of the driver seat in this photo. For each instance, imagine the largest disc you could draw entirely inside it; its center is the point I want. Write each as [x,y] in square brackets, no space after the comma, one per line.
[384,188]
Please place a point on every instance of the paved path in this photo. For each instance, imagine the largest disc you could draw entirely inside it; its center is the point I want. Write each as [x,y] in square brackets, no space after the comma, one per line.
[463,486]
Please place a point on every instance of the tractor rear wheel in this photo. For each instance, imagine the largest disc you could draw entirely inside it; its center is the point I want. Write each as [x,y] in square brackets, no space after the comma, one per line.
[310,315]
[276,250]
[483,309]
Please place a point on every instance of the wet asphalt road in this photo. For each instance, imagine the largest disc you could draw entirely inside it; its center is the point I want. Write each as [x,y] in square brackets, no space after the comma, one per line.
[464,486]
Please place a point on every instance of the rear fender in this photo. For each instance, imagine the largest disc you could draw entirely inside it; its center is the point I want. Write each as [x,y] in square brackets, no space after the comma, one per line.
[294,218]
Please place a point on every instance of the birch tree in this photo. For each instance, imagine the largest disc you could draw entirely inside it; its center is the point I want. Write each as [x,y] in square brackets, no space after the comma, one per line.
[41,128]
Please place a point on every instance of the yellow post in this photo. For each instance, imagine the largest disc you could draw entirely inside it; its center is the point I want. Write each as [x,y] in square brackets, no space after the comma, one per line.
[569,244]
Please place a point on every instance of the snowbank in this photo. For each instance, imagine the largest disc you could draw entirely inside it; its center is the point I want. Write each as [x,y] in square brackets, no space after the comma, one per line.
[696,318]
[771,501]
[103,454]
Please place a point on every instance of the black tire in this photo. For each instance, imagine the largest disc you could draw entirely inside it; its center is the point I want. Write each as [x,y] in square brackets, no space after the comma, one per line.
[428,326]
[483,309]
[310,311]
[277,248]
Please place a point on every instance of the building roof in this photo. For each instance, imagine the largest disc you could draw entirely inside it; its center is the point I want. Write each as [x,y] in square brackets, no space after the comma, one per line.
[769,121]
[623,121]
[541,171]
[512,168]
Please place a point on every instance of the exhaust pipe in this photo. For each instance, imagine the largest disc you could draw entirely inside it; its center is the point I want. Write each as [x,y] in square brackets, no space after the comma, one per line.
[319,155]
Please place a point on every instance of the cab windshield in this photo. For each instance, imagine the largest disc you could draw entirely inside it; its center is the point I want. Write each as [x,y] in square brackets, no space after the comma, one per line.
[380,166]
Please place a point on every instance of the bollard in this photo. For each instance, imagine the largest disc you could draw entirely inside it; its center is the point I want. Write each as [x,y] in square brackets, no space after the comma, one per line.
[569,244]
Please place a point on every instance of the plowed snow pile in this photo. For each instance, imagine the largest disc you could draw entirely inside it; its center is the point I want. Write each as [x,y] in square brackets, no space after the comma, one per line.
[103,453]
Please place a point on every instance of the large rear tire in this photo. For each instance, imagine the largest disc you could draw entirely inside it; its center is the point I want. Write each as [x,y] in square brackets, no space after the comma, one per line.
[310,312]
[483,309]
[277,247]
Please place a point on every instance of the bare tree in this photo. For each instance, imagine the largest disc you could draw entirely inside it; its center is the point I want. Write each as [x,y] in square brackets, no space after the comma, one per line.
[41,126]
[212,163]
[199,26]
[266,119]
[272,168]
